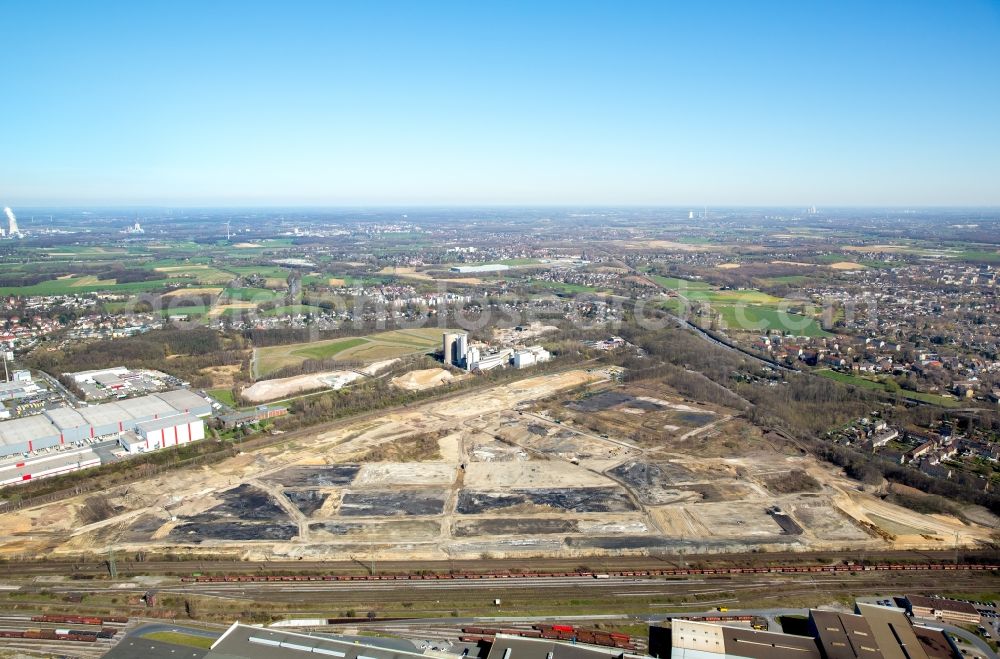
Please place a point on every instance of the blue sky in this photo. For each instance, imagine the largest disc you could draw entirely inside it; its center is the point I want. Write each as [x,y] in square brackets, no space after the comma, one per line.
[250,103]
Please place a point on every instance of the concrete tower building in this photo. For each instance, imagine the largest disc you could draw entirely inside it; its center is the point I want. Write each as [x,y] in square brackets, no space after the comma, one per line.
[448,348]
[455,348]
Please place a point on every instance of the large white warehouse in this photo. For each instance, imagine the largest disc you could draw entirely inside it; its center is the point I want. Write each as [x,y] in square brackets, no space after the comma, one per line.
[163,432]
[65,426]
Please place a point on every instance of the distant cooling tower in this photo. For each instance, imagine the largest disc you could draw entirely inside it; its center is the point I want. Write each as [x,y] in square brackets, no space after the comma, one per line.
[12,229]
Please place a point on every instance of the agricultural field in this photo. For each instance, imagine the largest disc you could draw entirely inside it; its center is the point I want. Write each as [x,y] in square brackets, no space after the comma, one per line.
[197,273]
[85,284]
[866,383]
[370,348]
[740,310]
[562,287]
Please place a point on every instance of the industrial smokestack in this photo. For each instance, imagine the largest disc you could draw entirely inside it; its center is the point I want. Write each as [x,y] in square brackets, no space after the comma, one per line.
[12,220]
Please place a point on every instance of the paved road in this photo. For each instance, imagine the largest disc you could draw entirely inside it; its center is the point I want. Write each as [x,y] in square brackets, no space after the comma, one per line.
[967,636]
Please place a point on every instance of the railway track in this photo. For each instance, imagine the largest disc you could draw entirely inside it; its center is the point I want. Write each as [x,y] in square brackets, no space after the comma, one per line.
[581,574]
[91,568]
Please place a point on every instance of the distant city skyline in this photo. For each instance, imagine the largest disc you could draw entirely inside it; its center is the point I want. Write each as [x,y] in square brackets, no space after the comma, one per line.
[521,104]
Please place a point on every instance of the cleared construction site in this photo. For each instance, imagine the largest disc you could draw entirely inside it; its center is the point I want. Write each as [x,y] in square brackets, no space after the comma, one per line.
[563,464]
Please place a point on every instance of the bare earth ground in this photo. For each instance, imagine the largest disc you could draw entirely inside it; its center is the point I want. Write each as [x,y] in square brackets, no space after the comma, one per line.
[204,290]
[222,376]
[427,378]
[265,390]
[220,309]
[514,470]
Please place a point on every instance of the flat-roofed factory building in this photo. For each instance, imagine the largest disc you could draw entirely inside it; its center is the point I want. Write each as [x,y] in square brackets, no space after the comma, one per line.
[164,432]
[27,434]
[66,426]
[184,400]
[943,609]
[145,408]
[52,464]
[106,420]
[72,426]
[871,632]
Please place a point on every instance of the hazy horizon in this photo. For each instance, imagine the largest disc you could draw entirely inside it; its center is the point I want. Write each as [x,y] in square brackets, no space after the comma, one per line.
[453,105]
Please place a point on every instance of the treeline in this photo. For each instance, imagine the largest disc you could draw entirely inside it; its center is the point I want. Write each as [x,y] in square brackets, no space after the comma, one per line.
[803,406]
[124,275]
[182,353]
[15,280]
[871,468]
[378,393]
[313,366]
[690,384]
[806,406]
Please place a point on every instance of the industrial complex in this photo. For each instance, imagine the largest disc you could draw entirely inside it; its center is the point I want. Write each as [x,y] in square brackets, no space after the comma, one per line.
[65,425]
[457,351]
[58,440]
[875,632]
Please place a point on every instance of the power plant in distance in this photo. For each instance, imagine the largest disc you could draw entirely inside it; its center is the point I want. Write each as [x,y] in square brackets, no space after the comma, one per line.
[12,230]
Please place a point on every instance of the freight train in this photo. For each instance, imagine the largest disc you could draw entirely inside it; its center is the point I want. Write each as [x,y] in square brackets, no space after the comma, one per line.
[678,572]
[80,635]
[79,620]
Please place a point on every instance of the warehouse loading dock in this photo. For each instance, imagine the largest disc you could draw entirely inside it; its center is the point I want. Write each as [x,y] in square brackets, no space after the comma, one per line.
[44,466]
[66,426]
[160,433]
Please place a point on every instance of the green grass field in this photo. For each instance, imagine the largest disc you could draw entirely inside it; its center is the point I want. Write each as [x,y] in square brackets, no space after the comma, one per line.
[257,295]
[196,272]
[735,297]
[866,383]
[180,310]
[89,284]
[327,349]
[567,288]
[684,285]
[373,347]
[752,318]
[741,310]
[271,271]
[224,396]
[979,256]
[180,638]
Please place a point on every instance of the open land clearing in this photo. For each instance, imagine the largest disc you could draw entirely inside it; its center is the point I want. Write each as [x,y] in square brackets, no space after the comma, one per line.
[565,464]
[205,290]
[267,390]
[412,273]
[221,309]
[671,245]
[427,378]
[370,348]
